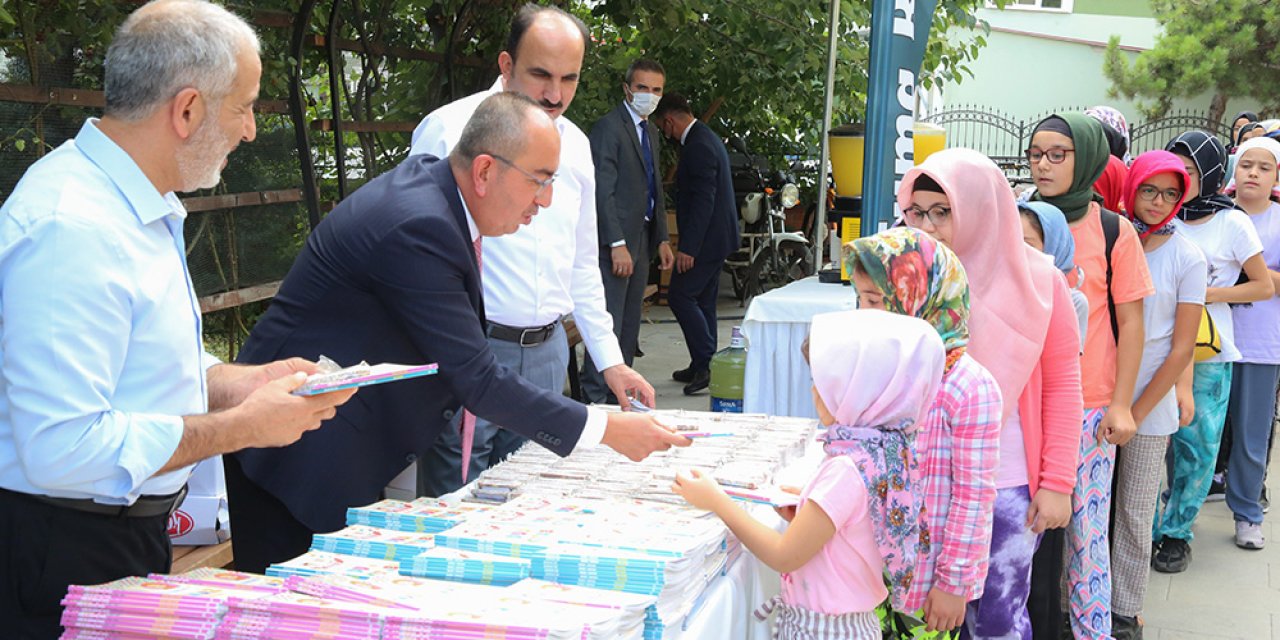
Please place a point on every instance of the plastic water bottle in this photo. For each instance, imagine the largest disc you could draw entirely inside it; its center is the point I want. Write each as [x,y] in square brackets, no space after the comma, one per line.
[728,370]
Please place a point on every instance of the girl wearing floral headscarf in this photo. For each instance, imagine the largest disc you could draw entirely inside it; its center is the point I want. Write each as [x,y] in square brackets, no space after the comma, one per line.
[1068,152]
[905,271]
[859,520]
[1171,317]
[1230,245]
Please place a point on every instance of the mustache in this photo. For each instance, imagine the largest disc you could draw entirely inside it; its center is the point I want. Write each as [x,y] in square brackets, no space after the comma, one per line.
[547,104]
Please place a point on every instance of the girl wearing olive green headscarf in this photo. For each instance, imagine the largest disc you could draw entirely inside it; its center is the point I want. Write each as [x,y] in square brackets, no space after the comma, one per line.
[1067,153]
[905,271]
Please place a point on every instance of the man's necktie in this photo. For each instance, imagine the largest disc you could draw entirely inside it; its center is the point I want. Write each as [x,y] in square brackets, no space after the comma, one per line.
[649,172]
[468,423]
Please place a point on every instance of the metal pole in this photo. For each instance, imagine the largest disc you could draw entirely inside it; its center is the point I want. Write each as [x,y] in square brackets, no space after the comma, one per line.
[820,220]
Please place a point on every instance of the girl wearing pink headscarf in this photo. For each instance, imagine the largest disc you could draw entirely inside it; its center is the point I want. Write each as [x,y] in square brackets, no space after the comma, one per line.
[1023,329]
[1154,192]
[875,374]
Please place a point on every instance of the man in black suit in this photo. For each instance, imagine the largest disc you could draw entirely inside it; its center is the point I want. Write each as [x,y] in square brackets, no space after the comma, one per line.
[707,221]
[631,210]
[392,275]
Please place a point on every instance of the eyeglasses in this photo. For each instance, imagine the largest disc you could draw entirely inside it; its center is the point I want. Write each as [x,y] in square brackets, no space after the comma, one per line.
[542,184]
[1055,155]
[1149,192]
[937,215]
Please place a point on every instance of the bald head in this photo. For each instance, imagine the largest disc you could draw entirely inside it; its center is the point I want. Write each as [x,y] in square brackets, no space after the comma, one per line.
[169,45]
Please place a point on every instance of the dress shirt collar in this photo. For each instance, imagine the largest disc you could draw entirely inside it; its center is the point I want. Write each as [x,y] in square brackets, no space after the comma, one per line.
[685,133]
[635,117]
[147,203]
[471,222]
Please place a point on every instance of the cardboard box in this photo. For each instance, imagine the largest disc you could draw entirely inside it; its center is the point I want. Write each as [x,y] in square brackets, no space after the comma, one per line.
[203,517]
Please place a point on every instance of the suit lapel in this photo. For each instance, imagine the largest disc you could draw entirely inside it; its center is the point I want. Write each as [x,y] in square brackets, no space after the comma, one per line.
[449,188]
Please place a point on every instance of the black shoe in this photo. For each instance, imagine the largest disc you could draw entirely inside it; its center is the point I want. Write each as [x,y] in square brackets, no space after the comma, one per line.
[701,380]
[1174,556]
[1125,627]
[639,353]
[683,375]
[1217,489]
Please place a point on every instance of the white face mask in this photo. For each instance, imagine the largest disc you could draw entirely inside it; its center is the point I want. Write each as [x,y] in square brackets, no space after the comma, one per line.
[644,103]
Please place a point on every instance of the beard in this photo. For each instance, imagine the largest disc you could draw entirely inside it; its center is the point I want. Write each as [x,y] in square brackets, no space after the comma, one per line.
[200,160]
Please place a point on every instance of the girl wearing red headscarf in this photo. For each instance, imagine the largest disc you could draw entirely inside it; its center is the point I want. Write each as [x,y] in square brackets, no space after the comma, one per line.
[1153,193]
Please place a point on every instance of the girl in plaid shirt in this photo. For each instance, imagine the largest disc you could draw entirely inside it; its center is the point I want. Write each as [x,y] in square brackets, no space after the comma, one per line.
[905,271]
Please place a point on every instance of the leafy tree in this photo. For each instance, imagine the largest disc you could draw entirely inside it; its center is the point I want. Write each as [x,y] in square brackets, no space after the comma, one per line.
[1226,47]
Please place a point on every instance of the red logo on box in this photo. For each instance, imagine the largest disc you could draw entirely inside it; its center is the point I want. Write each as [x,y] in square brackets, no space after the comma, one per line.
[180,524]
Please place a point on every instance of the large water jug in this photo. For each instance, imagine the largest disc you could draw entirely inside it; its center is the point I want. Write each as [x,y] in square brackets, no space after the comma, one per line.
[728,370]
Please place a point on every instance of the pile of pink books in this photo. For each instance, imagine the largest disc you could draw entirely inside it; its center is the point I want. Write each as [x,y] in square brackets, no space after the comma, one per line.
[153,607]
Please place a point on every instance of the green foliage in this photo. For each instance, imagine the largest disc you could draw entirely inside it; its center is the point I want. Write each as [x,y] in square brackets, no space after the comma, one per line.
[766,63]
[1227,47]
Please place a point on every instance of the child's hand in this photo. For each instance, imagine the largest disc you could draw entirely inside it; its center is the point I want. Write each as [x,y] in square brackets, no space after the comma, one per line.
[1117,426]
[1049,510]
[943,611]
[1186,405]
[787,513]
[700,490]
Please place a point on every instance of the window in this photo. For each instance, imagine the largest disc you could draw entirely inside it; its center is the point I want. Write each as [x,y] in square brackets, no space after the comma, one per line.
[1057,6]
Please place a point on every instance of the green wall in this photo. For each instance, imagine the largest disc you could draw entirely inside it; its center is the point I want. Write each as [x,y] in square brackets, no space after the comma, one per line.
[1132,8]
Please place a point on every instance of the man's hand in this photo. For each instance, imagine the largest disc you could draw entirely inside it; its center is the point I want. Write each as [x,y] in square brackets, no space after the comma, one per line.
[623,265]
[230,384]
[684,262]
[1049,510]
[1117,426]
[700,490]
[666,259]
[625,383]
[273,417]
[943,611]
[636,435]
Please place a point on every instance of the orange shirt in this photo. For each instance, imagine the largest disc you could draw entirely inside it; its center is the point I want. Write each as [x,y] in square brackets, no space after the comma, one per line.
[1130,281]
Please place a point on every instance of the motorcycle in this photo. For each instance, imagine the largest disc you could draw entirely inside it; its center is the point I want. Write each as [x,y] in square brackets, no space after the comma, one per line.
[770,256]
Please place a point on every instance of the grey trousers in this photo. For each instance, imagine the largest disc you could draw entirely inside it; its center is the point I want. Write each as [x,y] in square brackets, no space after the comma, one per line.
[1253,406]
[1139,469]
[624,298]
[440,470]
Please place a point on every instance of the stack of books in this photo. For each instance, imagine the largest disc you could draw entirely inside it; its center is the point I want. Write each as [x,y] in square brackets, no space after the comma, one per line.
[315,563]
[458,565]
[148,607]
[424,515]
[372,542]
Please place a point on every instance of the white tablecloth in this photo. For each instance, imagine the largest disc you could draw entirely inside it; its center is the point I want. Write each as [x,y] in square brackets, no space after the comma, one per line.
[777,379]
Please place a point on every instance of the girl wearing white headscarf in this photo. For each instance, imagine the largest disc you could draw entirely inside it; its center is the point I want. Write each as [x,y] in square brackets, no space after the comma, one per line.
[859,523]
[1255,375]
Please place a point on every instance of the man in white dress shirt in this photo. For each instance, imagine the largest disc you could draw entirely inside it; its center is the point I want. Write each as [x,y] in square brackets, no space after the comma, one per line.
[534,277]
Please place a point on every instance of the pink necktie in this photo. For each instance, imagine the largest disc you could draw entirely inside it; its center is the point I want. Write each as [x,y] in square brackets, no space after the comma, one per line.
[468,426]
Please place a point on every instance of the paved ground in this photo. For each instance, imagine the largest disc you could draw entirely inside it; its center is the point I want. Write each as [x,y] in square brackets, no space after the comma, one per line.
[1227,592]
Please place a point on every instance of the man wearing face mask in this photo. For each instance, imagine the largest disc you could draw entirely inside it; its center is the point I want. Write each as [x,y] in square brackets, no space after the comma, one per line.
[548,269]
[630,210]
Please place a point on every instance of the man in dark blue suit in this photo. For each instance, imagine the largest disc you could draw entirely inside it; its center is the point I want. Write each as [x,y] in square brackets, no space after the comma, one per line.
[391,275]
[707,221]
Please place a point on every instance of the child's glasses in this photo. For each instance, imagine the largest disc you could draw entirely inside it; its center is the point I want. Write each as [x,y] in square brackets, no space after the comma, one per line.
[1055,155]
[1149,192]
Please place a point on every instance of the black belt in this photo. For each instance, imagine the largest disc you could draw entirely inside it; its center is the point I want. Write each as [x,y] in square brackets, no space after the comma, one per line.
[144,507]
[523,336]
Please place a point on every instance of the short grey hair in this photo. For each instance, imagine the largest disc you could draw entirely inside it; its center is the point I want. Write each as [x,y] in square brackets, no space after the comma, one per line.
[169,45]
[498,126]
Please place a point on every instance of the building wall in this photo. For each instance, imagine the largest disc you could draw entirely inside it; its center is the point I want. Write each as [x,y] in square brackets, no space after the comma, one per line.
[1035,61]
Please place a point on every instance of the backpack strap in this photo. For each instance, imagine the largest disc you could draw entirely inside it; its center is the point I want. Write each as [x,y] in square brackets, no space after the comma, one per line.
[1111,233]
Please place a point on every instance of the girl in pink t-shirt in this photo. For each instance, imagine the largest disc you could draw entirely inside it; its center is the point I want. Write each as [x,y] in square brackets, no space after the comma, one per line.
[860,519]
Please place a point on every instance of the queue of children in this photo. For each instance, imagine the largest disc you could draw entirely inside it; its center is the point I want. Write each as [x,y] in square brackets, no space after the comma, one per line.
[998,474]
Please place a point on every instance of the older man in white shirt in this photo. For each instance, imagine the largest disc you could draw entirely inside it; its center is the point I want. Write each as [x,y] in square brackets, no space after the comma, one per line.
[536,276]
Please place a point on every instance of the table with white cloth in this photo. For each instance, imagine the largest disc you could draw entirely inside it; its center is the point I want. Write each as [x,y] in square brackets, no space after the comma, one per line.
[777,379]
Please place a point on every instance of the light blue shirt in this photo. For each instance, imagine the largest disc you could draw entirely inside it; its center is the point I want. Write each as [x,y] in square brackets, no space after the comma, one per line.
[100,351]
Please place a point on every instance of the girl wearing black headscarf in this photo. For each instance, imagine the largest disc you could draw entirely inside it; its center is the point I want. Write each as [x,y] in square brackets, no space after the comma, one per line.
[1231,245]
[1241,119]
[1068,153]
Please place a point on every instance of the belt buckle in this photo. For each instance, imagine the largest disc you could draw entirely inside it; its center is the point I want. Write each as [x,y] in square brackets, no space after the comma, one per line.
[526,332]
